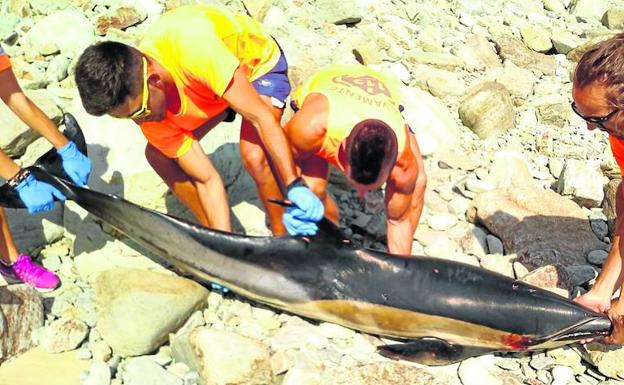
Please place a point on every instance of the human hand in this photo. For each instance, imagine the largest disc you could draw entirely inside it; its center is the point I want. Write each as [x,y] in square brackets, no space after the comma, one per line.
[617,333]
[37,196]
[595,302]
[76,164]
[307,210]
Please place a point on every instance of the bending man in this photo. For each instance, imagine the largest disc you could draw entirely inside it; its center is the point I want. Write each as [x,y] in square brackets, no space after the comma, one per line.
[350,116]
[195,63]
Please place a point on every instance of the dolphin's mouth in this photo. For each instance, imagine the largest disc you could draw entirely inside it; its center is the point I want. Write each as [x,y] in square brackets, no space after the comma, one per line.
[594,327]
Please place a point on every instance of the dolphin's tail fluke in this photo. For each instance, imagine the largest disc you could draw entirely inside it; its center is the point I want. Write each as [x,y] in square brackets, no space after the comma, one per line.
[48,164]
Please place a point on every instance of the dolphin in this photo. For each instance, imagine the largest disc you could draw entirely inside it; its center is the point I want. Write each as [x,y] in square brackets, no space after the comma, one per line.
[442,311]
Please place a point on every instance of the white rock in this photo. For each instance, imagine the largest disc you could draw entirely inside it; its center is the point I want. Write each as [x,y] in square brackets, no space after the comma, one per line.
[434,126]
[480,371]
[562,375]
[70,30]
[442,222]
[143,371]
[99,374]
[583,182]
[63,335]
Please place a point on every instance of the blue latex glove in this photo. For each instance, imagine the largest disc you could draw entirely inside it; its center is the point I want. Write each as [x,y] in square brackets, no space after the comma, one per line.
[217,287]
[37,196]
[75,163]
[307,210]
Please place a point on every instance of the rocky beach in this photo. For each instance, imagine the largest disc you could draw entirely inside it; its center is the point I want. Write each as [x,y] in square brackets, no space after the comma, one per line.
[517,184]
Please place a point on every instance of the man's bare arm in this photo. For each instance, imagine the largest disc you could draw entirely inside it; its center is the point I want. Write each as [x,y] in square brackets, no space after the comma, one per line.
[12,94]
[405,191]
[244,99]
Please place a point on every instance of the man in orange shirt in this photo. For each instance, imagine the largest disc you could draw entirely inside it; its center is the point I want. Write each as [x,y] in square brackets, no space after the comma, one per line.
[194,64]
[350,116]
[599,99]
[37,195]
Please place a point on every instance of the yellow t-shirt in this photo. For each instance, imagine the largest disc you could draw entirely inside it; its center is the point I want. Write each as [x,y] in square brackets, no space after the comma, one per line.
[354,93]
[201,46]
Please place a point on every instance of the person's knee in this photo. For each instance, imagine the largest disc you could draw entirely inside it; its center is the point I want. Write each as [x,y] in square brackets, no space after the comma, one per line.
[152,155]
[254,160]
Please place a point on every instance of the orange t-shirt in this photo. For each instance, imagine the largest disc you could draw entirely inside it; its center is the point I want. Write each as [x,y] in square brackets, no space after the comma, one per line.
[5,63]
[617,148]
[201,47]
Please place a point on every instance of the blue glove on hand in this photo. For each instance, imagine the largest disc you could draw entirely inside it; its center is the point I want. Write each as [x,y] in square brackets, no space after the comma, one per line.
[75,164]
[37,196]
[307,210]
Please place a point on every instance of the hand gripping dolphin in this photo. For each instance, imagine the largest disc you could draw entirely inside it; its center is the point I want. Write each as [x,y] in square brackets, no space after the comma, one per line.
[445,311]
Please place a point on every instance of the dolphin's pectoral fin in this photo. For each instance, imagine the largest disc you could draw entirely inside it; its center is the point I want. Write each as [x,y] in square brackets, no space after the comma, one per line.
[431,351]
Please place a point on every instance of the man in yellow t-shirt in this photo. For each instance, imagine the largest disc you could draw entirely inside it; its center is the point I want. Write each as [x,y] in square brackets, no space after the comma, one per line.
[350,116]
[195,65]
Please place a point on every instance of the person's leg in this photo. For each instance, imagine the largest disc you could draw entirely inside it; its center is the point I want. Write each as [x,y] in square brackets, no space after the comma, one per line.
[176,179]
[315,172]
[20,267]
[254,159]
[274,88]
[8,250]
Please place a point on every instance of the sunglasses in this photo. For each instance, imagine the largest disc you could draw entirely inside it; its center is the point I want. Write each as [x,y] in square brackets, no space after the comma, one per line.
[595,120]
[144,109]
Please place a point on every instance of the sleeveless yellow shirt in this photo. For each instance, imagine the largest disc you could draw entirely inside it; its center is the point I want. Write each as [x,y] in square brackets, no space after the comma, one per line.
[354,93]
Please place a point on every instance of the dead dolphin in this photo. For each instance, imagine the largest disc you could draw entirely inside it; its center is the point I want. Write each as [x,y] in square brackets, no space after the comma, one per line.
[445,311]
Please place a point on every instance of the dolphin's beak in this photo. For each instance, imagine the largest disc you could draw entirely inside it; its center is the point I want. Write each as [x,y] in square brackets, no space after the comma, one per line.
[594,327]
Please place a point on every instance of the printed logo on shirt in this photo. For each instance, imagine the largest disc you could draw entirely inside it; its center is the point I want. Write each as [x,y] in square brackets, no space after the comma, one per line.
[368,84]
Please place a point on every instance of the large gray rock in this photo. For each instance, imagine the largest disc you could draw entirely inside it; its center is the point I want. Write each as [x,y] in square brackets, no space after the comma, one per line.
[614,18]
[538,225]
[587,10]
[31,231]
[237,360]
[509,168]
[536,38]
[487,110]
[582,182]
[21,313]
[512,48]
[553,111]
[137,309]
[608,359]
[16,135]
[565,41]
[519,81]
[434,126]
[63,334]
[69,30]
[477,53]
[45,7]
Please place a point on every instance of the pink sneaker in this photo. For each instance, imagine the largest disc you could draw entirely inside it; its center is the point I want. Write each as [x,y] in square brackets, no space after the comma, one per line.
[27,271]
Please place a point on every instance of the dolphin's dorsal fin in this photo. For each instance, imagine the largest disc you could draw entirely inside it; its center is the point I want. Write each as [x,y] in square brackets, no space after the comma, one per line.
[432,351]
